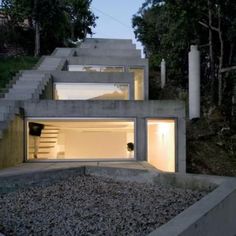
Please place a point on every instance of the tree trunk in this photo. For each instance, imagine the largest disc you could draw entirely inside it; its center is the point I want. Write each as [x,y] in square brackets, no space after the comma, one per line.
[37,39]
[37,30]
[211,55]
[221,59]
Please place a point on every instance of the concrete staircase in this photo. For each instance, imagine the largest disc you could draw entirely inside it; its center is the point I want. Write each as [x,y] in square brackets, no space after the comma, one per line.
[51,64]
[47,144]
[28,86]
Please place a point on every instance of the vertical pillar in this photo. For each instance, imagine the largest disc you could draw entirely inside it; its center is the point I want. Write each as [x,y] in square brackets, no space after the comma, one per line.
[163,73]
[194,82]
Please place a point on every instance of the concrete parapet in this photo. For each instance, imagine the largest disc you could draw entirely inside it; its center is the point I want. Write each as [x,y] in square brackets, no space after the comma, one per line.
[108,43]
[130,53]
[50,63]
[63,52]
[214,214]
[108,61]
[96,77]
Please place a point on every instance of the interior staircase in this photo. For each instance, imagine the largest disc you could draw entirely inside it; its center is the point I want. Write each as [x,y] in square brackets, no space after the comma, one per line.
[47,144]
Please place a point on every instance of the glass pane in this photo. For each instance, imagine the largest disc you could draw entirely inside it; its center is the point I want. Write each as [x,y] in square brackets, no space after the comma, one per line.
[161,144]
[82,139]
[94,68]
[91,91]
[138,83]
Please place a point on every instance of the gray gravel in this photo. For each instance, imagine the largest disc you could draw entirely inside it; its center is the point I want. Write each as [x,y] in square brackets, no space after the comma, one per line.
[88,205]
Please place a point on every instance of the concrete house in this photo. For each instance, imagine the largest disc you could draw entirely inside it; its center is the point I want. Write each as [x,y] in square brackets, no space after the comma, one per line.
[90,103]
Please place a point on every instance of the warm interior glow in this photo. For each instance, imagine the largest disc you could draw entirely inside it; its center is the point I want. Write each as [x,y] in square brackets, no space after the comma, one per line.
[161,144]
[84,139]
[138,83]
[91,91]
[95,68]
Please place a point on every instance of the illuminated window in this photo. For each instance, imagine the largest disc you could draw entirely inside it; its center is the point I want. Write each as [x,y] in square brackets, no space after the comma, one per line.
[91,91]
[161,144]
[138,83]
[82,139]
[94,68]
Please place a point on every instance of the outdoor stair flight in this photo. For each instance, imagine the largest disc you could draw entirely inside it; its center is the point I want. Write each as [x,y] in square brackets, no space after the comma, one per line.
[28,86]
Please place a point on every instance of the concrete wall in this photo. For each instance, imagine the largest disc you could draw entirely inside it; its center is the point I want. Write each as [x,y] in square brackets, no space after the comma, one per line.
[95,77]
[139,110]
[47,93]
[12,144]
[92,145]
[213,215]
[130,53]
[108,43]
[116,61]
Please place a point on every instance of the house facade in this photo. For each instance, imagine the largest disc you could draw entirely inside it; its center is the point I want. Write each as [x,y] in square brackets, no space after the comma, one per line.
[91,103]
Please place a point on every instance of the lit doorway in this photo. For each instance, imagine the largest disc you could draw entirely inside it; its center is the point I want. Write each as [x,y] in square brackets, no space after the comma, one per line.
[161,144]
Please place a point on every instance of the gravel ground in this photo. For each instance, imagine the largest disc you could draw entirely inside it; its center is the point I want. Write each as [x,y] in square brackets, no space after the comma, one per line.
[88,205]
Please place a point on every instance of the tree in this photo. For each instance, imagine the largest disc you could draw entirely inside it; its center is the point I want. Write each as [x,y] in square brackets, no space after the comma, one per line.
[81,18]
[167,29]
[63,16]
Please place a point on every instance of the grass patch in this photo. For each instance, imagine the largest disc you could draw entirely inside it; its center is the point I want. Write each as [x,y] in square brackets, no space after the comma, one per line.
[10,66]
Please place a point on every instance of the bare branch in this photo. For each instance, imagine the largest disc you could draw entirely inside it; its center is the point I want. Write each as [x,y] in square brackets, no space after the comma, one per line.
[208,26]
[227,69]
[204,24]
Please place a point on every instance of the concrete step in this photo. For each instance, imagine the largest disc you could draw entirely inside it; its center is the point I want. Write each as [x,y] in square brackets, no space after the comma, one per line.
[48,142]
[49,131]
[25,86]
[20,91]
[33,75]
[3,116]
[40,152]
[18,96]
[28,81]
[43,135]
[44,145]
[48,128]
[3,126]
[4,109]
[48,139]
[6,103]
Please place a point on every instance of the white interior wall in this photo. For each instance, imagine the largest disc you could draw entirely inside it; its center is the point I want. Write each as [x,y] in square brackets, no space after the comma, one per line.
[161,145]
[85,144]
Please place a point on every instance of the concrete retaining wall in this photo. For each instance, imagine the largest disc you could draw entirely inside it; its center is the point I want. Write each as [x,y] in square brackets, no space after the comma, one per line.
[214,215]
[12,144]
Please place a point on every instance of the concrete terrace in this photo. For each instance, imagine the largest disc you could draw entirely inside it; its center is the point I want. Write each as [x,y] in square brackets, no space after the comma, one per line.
[35,167]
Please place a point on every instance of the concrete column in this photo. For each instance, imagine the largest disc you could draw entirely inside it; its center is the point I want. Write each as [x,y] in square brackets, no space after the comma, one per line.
[163,73]
[141,139]
[194,82]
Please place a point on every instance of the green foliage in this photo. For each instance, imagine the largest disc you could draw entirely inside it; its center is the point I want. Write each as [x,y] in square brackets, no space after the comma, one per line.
[167,29]
[59,21]
[10,66]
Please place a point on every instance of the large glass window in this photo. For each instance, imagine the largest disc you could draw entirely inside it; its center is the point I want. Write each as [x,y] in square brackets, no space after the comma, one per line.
[81,139]
[161,144]
[94,68]
[138,83]
[91,91]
